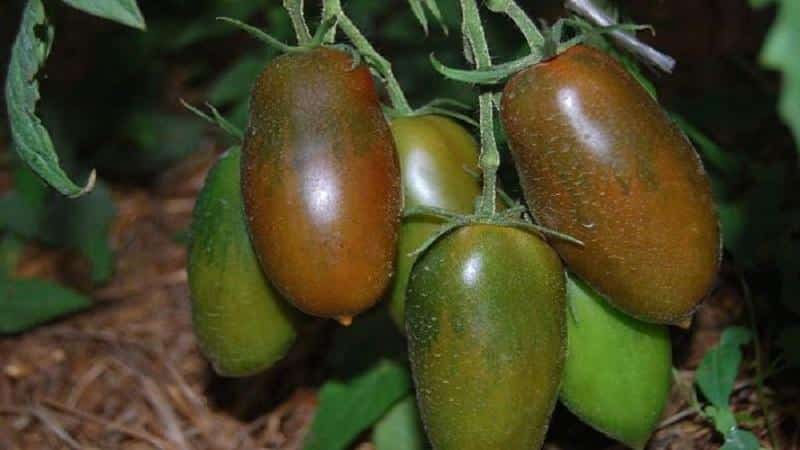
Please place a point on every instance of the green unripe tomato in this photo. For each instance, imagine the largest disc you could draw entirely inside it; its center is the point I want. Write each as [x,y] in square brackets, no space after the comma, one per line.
[617,376]
[434,153]
[486,330]
[243,326]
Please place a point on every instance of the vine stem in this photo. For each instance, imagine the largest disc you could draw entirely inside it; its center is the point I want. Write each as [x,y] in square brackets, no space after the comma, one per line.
[380,64]
[295,10]
[525,24]
[651,56]
[478,50]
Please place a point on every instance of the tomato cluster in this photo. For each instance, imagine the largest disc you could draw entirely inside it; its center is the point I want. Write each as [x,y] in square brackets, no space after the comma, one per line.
[309,213]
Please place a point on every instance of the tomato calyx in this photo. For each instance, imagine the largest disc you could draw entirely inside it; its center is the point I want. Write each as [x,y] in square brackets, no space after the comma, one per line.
[515,216]
[317,41]
[553,44]
[440,106]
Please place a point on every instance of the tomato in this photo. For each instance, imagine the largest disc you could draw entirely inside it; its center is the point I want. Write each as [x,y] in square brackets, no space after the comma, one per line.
[321,183]
[241,322]
[599,160]
[486,330]
[618,372]
[435,154]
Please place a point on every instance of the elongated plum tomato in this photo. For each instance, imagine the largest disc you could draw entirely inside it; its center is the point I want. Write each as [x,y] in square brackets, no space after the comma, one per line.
[486,330]
[599,160]
[435,154]
[618,372]
[321,183]
[242,324]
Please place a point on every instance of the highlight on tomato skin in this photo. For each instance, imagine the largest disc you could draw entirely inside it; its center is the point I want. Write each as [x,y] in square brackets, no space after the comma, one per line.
[485,321]
[321,183]
[599,160]
[436,156]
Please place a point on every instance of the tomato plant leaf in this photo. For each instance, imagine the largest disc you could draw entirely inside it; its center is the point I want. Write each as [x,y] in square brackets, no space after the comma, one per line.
[401,428]
[780,53]
[346,410]
[25,304]
[717,372]
[31,139]
[738,439]
[418,8]
[10,252]
[84,225]
[125,12]
[234,83]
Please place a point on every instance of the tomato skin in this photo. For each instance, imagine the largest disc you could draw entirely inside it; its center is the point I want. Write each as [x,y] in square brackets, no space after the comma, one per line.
[599,160]
[485,321]
[241,323]
[435,153]
[321,183]
[618,372]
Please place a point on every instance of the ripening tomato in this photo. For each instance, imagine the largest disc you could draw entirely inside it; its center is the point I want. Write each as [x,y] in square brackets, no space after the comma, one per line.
[241,322]
[321,183]
[435,156]
[599,160]
[485,321]
[618,372]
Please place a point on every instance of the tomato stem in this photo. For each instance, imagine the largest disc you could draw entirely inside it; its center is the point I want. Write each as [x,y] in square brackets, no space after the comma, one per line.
[625,40]
[295,10]
[523,22]
[376,60]
[477,50]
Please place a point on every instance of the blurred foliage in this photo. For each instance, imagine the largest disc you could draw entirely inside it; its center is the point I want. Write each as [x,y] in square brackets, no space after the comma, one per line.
[715,377]
[345,410]
[780,52]
[401,428]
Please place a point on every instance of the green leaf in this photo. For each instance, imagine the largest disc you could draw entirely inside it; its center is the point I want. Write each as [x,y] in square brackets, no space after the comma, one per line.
[25,304]
[738,439]
[235,83]
[31,139]
[401,428]
[717,372]
[419,13]
[125,12]
[22,210]
[725,423]
[346,410]
[10,252]
[18,217]
[84,225]
[780,53]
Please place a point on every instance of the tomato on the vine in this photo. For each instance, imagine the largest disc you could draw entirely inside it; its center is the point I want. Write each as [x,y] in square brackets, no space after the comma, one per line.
[618,371]
[436,158]
[321,183]
[599,160]
[485,321]
[241,322]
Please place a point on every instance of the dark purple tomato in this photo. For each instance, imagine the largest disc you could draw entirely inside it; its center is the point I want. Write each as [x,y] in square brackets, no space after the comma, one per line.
[599,160]
[321,183]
